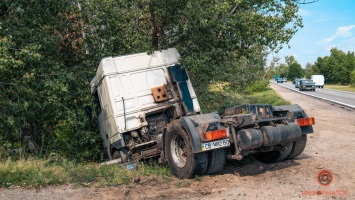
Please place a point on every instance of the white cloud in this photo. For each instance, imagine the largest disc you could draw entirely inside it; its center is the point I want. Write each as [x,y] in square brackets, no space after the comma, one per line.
[343,31]
[330,47]
[304,12]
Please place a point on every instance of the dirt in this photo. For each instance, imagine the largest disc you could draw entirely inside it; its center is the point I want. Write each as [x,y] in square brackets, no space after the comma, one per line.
[331,147]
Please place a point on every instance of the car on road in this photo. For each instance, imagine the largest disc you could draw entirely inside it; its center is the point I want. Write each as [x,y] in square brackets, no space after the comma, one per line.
[297,83]
[281,80]
[294,81]
[306,85]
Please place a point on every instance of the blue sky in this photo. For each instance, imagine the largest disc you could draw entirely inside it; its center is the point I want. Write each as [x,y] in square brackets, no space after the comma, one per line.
[327,24]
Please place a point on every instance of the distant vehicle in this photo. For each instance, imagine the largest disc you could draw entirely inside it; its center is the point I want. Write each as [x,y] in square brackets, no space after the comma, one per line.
[318,80]
[281,80]
[276,77]
[307,85]
[295,80]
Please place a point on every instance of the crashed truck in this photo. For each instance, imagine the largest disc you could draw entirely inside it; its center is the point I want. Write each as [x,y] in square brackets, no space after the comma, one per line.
[147,107]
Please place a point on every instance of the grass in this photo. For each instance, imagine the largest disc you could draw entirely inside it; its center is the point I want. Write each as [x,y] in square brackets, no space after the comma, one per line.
[268,96]
[35,173]
[348,88]
[56,170]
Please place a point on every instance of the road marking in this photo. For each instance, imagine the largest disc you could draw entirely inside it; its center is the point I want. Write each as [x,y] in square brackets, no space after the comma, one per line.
[336,102]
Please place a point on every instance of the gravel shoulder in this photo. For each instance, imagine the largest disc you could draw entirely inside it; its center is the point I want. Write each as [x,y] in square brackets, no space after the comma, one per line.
[330,147]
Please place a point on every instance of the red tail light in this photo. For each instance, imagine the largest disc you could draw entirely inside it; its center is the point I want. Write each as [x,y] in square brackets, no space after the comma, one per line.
[305,121]
[215,135]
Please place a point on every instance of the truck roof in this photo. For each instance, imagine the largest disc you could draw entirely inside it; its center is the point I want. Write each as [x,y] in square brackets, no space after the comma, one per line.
[133,62]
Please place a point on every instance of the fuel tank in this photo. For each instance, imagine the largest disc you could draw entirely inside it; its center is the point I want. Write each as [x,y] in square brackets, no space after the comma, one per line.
[268,136]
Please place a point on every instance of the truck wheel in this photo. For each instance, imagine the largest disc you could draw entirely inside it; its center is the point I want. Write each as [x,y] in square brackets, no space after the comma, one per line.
[275,156]
[285,153]
[216,160]
[298,147]
[182,161]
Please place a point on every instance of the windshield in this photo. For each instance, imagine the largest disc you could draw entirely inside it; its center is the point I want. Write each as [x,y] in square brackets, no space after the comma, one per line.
[308,82]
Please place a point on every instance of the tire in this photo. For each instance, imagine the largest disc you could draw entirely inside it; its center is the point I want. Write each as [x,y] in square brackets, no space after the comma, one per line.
[182,161]
[285,153]
[275,156]
[216,161]
[298,147]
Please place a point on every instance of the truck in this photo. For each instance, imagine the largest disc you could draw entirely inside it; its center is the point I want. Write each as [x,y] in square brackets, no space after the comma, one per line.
[147,108]
[318,80]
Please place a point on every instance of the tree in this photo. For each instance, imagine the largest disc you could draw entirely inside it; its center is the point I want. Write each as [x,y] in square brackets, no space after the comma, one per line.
[50,51]
[310,70]
[294,71]
[337,67]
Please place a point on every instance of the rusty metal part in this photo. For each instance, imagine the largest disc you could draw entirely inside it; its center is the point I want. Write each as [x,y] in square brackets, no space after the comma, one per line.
[160,93]
[134,134]
[150,152]
[234,157]
[237,154]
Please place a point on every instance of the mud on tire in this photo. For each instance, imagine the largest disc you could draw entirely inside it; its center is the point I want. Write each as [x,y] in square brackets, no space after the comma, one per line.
[275,156]
[216,161]
[298,147]
[182,161]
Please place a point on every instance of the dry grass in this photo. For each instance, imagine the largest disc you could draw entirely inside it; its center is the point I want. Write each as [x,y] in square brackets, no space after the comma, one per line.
[348,88]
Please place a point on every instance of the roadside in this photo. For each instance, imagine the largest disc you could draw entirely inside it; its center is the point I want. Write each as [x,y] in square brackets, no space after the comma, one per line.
[348,88]
[331,147]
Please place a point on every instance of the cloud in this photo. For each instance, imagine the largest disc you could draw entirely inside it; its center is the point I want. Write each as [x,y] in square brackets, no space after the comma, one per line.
[343,31]
[330,47]
[304,12]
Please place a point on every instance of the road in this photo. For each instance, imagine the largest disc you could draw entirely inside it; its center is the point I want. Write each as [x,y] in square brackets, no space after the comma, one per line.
[337,96]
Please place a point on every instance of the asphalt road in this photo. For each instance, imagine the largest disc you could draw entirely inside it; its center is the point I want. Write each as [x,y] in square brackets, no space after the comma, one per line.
[337,96]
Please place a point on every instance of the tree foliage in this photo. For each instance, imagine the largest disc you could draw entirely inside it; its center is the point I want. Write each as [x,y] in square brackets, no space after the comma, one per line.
[337,67]
[294,71]
[50,51]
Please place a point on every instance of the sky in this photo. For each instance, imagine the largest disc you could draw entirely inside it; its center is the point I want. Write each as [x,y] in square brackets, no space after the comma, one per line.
[327,24]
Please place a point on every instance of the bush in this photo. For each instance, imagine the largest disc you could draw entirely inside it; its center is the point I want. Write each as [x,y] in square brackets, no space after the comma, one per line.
[257,86]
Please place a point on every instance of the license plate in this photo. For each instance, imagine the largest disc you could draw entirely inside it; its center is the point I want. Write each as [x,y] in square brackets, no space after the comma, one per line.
[215,144]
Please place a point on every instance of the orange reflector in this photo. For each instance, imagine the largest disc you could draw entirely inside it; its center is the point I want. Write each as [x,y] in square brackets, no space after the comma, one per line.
[305,121]
[215,135]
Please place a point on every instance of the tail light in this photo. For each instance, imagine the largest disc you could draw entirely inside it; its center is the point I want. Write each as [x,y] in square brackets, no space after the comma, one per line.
[215,135]
[305,121]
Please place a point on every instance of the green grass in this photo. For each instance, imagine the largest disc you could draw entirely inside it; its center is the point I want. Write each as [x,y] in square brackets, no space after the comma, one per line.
[348,88]
[269,96]
[34,173]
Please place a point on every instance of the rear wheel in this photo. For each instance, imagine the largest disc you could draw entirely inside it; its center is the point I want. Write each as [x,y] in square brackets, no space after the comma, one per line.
[298,147]
[216,160]
[275,156]
[181,159]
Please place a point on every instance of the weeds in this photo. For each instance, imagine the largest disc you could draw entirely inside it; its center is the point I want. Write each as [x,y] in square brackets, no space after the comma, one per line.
[348,88]
[33,173]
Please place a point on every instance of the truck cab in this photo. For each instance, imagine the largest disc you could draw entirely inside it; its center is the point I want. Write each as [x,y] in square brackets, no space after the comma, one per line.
[147,107]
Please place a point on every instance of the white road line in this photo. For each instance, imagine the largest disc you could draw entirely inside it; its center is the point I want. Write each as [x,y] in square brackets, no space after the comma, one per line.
[337,102]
